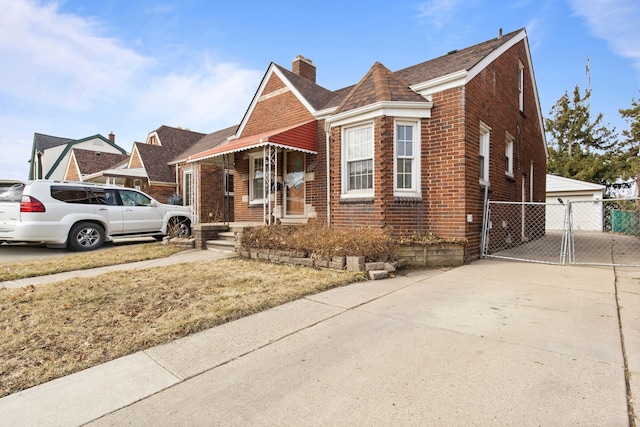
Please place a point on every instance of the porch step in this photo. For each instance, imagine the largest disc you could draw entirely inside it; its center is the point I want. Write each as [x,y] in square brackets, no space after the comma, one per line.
[228,236]
[221,245]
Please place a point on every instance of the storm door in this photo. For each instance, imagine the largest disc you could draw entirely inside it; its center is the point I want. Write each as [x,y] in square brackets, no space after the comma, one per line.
[294,184]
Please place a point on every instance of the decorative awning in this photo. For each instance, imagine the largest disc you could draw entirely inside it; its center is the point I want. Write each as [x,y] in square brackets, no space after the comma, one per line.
[300,137]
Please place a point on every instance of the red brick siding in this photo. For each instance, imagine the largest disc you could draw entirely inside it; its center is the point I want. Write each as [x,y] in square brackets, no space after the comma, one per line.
[277,111]
[271,113]
[492,97]
[210,193]
[450,158]
[443,165]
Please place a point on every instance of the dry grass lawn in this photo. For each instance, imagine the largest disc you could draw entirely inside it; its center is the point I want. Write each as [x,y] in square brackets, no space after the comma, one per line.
[84,260]
[54,330]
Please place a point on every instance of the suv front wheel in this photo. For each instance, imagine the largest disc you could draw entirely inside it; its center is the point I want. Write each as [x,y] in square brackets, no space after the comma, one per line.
[86,236]
[179,227]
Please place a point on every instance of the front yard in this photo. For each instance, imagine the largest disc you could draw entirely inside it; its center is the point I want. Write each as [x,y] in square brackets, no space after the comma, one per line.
[54,330]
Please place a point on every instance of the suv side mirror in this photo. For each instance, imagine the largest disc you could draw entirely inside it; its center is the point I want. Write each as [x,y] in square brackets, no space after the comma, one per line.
[154,204]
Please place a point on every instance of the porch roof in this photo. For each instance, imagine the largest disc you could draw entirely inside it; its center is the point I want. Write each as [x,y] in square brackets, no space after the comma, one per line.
[299,137]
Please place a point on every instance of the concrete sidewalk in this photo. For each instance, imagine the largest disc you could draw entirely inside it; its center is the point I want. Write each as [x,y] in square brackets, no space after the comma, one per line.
[493,342]
[186,256]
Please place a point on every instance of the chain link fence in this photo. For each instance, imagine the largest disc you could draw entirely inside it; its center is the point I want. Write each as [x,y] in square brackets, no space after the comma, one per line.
[599,232]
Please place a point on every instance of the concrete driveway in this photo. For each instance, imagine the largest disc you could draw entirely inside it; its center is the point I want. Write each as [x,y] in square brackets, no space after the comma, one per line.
[490,343]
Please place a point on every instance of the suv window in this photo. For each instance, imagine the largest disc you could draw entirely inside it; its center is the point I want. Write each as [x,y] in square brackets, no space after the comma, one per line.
[70,194]
[79,195]
[133,198]
[11,191]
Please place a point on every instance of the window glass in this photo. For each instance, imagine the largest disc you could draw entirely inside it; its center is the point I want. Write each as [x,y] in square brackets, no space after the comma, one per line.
[11,191]
[228,182]
[359,165]
[70,194]
[97,196]
[404,157]
[484,152]
[257,181]
[521,86]
[133,198]
[187,189]
[508,155]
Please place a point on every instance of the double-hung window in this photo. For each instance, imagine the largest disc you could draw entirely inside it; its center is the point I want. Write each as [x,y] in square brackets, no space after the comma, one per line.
[521,86]
[485,135]
[508,155]
[406,157]
[256,181]
[358,161]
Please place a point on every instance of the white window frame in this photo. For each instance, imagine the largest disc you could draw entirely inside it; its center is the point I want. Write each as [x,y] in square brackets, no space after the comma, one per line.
[252,162]
[187,187]
[521,86]
[484,153]
[414,158]
[508,154]
[356,157]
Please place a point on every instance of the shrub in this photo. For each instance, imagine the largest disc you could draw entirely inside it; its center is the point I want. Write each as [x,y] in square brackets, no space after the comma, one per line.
[427,239]
[318,241]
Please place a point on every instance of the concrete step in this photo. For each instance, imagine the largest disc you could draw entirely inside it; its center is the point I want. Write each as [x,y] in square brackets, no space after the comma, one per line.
[229,236]
[221,245]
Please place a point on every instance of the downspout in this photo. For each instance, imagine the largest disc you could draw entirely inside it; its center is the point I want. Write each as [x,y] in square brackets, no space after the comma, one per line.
[327,129]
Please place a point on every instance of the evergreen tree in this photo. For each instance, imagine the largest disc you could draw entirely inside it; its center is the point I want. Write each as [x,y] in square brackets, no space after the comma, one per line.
[580,148]
[629,162]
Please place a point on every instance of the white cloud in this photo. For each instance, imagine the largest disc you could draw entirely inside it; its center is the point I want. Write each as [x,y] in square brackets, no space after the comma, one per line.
[60,59]
[438,12]
[201,98]
[615,21]
[62,76]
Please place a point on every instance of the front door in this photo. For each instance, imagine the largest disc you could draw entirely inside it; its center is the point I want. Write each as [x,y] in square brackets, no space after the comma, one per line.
[294,184]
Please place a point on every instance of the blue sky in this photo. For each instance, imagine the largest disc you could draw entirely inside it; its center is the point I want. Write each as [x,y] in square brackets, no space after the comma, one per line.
[76,68]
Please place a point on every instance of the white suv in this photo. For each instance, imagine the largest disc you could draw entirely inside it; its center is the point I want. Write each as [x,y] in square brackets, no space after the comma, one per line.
[83,216]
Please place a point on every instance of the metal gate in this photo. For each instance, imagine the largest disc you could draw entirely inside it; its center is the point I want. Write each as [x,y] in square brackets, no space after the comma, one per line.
[598,232]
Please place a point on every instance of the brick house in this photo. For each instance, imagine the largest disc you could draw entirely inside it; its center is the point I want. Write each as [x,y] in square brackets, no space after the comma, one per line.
[83,163]
[412,150]
[148,167]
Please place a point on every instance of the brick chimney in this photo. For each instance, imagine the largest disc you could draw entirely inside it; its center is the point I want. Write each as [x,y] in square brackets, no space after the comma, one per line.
[112,137]
[304,68]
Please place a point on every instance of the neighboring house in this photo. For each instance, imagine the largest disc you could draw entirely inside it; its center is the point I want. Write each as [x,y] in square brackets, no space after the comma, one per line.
[148,167]
[415,150]
[83,163]
[587,214]
[50,155]
[207,186]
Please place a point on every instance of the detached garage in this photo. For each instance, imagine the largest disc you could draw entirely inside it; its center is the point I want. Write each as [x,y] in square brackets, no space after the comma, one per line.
[587,213]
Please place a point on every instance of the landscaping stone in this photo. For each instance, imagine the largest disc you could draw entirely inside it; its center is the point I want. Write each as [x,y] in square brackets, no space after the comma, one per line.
[323,263]
[378,274]
[390,267]
[355,263]
[374,266]
[338,261]
[336,265]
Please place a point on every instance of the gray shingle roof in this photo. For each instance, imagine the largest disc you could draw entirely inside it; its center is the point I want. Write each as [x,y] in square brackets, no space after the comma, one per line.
[43,142]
